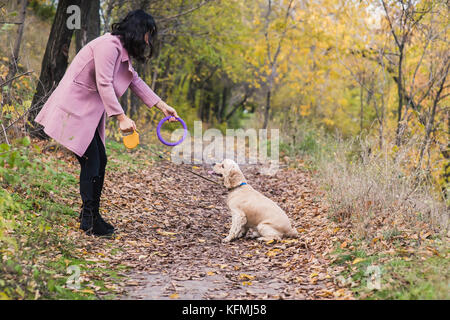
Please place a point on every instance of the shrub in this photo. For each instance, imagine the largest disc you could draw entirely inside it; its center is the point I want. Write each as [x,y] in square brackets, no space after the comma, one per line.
[380,190]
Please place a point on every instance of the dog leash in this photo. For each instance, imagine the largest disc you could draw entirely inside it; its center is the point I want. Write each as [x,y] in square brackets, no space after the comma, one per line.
[195,173]
[132,140]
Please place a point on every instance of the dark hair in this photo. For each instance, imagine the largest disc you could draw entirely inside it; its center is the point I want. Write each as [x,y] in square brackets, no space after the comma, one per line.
[132,30]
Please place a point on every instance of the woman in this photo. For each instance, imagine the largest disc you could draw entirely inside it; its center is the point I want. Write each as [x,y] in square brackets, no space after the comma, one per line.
[74,115]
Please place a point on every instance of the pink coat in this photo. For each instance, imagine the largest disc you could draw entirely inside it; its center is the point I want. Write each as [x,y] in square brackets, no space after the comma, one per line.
[99,74]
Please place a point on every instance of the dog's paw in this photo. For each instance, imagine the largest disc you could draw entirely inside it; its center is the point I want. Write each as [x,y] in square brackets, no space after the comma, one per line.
[226,240]
[253,235]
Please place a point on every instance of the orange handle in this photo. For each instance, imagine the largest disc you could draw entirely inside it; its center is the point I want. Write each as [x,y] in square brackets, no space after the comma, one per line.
[131,141]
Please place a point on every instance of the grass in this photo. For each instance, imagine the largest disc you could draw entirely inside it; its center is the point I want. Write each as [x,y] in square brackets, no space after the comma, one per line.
[38,228]
[411,276]
[39,236]
[394,217]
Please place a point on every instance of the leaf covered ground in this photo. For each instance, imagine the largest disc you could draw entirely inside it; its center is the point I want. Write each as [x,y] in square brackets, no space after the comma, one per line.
[170,226]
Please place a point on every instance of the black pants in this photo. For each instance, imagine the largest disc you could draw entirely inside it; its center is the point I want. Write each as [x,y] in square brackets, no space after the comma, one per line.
[93,164]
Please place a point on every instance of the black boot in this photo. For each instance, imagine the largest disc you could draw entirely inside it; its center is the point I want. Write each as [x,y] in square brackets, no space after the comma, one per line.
[89,221]
[99,217]
[91,224]
[98,186]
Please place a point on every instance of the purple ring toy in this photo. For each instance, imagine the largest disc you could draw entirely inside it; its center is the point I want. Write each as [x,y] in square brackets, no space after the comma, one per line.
[158,131]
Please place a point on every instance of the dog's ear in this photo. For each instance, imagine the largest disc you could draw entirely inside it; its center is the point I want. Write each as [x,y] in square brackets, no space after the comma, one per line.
[230,177]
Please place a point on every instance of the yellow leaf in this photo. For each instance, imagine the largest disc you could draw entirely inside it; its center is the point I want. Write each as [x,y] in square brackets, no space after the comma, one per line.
[270,241]
[165,233]
[246,283]
[344,244]
[273,252]
[358,260]
[315,274]
[243,276]
[289,241]
[4,296]
[87,291]
[210,273]
[174,296]
[305,110]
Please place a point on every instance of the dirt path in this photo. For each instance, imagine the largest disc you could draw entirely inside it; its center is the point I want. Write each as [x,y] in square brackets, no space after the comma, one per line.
[171,223]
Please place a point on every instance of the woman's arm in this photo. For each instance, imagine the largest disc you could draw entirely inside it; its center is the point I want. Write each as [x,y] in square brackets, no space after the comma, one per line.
[105,57]
[150,98]
[167,110]
[143,91]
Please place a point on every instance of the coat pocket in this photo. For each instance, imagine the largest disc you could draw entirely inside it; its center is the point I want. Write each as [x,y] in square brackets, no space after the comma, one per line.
[70,112]
[86,77]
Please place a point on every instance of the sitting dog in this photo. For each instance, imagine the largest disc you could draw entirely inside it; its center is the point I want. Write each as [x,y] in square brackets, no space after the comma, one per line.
[250,209]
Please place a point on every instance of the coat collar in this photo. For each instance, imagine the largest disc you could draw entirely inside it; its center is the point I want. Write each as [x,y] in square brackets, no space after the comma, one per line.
[126,57]
[124,54]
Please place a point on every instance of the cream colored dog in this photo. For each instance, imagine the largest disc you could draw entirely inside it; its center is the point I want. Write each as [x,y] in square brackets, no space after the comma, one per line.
[250,209]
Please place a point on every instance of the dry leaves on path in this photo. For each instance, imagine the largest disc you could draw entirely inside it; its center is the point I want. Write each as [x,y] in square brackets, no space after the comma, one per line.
[170,226]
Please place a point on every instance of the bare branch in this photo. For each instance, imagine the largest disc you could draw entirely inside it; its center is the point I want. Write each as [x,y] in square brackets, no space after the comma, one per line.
[18,76]
[6,22]
[185,12]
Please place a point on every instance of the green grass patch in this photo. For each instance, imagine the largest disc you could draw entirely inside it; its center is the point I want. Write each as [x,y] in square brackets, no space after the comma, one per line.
[36,217]
[394,276]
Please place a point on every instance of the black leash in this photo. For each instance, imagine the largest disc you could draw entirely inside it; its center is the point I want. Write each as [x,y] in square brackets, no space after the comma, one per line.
[195,173]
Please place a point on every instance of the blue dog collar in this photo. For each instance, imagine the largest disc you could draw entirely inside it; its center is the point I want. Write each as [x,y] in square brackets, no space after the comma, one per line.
[243,183]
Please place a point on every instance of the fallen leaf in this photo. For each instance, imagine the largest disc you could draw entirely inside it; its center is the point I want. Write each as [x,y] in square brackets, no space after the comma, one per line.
[87,291]
[243,276]
[358,260]
[166,233]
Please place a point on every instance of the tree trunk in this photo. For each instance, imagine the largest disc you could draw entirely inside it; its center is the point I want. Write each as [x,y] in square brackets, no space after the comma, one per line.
[361,112]
[237,106]
[135,102]
[430,123]
[223,103]
[400,128]
[90,23]
[54,63]
[15,56]
[267,110]
[107,16]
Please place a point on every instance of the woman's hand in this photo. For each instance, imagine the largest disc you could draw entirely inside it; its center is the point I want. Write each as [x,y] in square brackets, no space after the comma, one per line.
[167,110]
[125,123]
